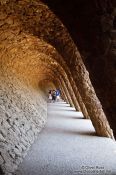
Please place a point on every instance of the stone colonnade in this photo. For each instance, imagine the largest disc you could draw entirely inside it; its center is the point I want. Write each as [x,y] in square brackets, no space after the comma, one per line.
[36,46]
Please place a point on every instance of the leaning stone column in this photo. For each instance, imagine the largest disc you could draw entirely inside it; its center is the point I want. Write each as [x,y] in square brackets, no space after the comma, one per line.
[71,92]
[79,99]
[92,103]
[66,92]
[81,103]
[86,90]
[64,95]
[76,92]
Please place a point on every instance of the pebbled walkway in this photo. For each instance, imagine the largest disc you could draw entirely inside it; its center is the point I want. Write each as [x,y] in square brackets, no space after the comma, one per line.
[68,146]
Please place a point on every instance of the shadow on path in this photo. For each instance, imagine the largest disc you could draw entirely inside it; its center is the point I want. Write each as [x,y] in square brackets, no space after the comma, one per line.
[67,144]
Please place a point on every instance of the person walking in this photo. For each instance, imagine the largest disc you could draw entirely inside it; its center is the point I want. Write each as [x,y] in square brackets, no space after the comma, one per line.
[57,95]
[53,95]
[50,96]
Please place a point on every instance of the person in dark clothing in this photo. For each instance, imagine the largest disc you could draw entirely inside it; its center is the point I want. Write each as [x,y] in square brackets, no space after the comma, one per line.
[53,95]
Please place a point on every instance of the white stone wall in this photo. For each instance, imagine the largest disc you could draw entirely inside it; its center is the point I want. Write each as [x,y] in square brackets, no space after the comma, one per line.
[23,113]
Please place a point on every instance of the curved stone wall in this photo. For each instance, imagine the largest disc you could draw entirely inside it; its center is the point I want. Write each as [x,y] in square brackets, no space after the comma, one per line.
[35,48]
[23,111]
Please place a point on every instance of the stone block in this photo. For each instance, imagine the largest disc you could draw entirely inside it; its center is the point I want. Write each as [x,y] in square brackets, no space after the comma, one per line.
[10,167]
[23,147]
[12,154]
[2,139]
[6,124]
[3,132]
[17,151]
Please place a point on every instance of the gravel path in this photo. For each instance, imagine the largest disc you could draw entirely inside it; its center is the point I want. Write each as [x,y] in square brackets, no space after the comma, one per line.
[68,146]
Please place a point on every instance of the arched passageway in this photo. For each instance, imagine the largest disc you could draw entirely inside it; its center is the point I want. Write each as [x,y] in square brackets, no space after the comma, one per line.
[37,48]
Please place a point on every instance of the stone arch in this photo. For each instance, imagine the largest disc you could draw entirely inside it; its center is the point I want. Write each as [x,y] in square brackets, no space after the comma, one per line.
[55,33]
[59,71]
[28,38]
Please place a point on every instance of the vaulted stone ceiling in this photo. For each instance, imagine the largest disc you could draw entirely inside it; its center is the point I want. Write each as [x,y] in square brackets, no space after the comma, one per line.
[54,44]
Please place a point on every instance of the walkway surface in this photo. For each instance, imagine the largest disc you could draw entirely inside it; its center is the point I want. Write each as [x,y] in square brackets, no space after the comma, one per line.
[68,146]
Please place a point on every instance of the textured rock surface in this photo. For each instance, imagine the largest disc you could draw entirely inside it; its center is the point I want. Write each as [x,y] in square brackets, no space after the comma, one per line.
[29,17]
[22,116]
[34,47]
[92,25]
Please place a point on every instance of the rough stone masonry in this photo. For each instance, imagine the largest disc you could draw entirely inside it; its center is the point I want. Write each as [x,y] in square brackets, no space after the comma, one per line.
[23,106]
